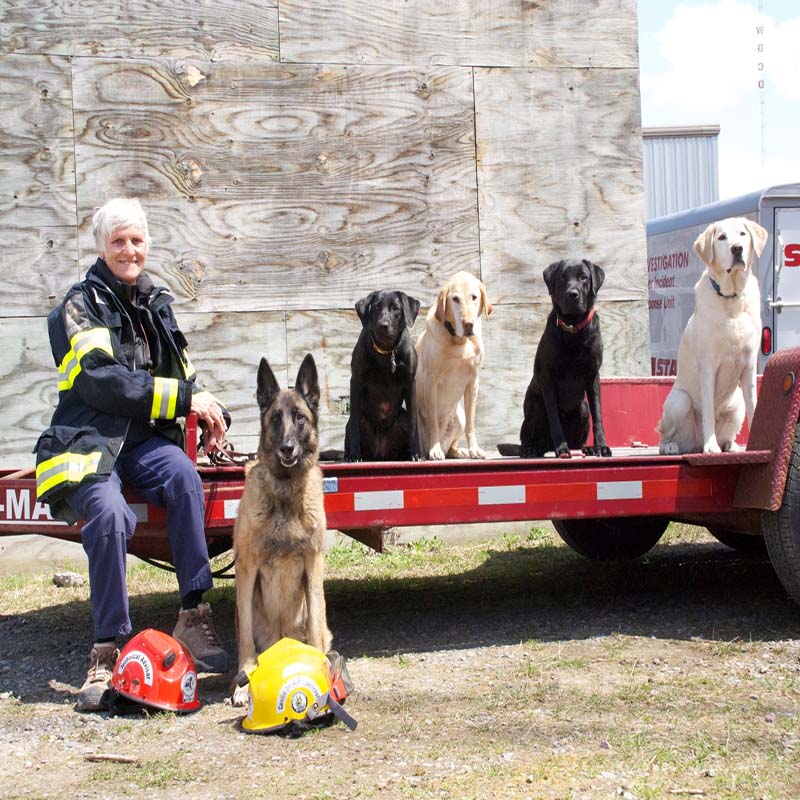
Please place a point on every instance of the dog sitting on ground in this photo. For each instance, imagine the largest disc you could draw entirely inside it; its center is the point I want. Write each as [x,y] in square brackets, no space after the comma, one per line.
[383,416]
[566,370]
[279,530]
[450,352]
[715,384]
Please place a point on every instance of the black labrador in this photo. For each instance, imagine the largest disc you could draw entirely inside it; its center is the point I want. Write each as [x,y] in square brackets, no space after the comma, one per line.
[383,420]
[566,370]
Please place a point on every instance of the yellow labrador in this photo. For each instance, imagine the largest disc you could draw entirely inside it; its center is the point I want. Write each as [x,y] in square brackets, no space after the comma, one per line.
[449,355]
[715,384]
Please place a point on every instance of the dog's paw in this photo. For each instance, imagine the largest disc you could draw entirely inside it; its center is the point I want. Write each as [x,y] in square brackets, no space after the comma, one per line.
[476,452]
[436,453]
[730,447]
[669,449]
[241,695]
[711,446]
[601,451]
[562,451]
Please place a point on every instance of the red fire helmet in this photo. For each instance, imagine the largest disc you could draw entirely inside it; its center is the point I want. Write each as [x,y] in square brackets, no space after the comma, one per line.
[155,669]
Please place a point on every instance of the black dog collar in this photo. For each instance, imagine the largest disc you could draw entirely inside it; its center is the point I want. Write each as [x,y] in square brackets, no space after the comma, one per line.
[719,291]
[577,328]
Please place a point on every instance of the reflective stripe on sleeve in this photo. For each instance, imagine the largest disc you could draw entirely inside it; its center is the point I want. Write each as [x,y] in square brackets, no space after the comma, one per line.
[65,468]
[188,367]
[165,398]
[81,343]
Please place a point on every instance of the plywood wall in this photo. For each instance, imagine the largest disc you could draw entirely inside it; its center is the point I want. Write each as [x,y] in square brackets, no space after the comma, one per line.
[293,156]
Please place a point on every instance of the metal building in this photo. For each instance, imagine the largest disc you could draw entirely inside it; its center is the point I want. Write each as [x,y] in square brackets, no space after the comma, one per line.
[681,168]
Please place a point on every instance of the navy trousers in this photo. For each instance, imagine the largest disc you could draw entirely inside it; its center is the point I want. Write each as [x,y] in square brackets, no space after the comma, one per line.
[166,477]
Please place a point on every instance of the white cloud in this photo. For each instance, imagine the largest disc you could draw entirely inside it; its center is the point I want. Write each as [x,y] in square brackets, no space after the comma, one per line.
[741,171]
[712,54]
[782,60]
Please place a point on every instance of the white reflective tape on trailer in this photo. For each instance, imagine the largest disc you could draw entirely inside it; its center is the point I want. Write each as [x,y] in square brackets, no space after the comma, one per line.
[500,495]
[619,490]
[375,501]
[231,508]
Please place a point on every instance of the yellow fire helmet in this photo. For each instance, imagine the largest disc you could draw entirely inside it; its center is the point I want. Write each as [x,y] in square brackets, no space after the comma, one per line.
[295,686]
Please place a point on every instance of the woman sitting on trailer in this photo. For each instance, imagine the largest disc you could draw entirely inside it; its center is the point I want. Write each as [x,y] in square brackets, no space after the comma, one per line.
[124,380]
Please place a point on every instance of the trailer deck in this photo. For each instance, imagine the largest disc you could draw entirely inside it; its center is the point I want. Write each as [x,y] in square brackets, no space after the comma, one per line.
[724,491]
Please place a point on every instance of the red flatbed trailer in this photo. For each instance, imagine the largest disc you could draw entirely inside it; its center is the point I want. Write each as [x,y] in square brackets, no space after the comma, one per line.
[605,508]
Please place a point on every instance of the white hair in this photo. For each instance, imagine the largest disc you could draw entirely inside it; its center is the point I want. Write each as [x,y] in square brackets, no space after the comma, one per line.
[121,212]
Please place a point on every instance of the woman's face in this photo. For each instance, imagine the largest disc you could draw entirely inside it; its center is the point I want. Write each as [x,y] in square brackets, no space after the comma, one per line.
[126,252]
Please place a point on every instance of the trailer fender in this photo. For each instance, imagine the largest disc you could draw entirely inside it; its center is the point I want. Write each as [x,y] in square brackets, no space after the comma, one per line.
[761,485]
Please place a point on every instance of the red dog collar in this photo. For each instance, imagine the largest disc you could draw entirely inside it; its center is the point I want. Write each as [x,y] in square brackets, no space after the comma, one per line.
[575,328]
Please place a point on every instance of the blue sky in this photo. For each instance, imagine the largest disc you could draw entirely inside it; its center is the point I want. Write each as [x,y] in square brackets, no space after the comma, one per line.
[701,62]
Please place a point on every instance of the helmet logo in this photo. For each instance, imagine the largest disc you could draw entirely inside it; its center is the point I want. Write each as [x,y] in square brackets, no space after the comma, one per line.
[298,682]
[143,661]
[299,702]
[189,687]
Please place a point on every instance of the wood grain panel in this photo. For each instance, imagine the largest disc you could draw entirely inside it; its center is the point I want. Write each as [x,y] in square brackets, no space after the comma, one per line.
[541,33]
[28,388]
[330,180]
[226,350]
[212,30]
[37,183]
[560,175]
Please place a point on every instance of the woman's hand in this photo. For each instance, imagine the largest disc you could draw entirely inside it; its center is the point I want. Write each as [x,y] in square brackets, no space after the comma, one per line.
[208,411]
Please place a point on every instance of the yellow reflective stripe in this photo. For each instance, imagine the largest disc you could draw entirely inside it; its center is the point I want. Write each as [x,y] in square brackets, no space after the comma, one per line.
[165,398]
[188,367]
[65,468]
[81,343]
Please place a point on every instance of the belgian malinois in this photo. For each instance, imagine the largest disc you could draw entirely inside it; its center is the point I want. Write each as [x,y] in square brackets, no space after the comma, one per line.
[278,536]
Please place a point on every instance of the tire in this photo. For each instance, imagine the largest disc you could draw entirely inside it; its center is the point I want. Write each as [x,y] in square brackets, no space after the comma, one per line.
[613,538]
[782,528]
[743,543]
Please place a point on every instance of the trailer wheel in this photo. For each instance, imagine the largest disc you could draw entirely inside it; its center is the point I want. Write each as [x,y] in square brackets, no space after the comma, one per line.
[744,543]
[611,539]
[782,528]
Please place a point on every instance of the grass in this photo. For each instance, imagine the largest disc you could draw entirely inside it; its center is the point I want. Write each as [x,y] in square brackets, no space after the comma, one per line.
[509,668]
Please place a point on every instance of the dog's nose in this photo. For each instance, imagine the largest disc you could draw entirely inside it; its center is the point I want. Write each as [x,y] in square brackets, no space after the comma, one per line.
[287,447]
[737,250]
[468,328]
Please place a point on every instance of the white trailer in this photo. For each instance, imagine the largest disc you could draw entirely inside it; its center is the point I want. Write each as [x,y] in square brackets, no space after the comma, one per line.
[673,269]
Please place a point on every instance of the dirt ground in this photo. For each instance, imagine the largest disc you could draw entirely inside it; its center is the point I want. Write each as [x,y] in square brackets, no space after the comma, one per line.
[511,669]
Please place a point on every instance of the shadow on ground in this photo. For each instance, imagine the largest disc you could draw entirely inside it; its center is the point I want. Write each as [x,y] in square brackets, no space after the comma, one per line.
[678,591]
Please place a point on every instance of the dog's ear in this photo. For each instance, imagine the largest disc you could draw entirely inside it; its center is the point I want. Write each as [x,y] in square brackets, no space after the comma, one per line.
[550,274]
[307,384]
[267,388]
[441,305]
[410,308]
[486,306]
[757,234]
[704,244]
[363,307]
[598,275]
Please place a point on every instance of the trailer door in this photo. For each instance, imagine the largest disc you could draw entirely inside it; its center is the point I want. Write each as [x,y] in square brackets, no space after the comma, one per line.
[786,245]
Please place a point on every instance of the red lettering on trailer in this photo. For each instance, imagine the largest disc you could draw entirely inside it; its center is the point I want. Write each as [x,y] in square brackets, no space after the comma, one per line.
[791,255]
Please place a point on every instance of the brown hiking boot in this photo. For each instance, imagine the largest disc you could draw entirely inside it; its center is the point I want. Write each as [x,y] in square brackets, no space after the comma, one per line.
[93,695]
[195,631]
